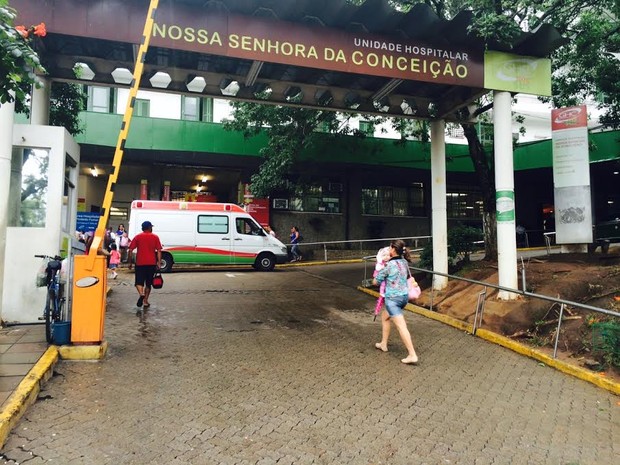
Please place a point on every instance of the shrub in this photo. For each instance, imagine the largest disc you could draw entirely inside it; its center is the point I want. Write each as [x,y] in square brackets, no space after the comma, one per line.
[461,243]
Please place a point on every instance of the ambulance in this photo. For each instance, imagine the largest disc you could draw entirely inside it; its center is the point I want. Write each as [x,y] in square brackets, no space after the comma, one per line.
[200,233]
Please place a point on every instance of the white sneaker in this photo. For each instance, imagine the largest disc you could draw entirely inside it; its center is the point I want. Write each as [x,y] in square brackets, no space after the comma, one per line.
[114,275]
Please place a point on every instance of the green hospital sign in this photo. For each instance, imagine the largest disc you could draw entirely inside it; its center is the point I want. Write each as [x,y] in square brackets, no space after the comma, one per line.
[515,73]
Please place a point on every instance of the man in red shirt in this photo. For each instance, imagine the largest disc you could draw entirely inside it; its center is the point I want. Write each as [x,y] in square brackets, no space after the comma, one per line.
[148,259]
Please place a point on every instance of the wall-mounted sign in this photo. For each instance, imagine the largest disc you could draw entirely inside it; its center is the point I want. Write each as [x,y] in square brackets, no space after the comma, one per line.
[193,28]
[515,73]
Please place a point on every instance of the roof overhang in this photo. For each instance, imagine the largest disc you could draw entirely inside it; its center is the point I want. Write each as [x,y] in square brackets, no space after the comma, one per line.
[432,70]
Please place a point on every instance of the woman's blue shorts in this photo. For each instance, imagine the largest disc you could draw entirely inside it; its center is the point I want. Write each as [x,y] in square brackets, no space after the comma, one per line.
[394,305]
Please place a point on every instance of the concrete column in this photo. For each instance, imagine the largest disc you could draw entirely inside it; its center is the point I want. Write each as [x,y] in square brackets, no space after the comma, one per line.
[6,146]
[504,194]
[438,201]
[40,104]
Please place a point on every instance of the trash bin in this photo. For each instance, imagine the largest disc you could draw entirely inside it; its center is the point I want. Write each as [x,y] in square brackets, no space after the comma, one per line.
[61,333]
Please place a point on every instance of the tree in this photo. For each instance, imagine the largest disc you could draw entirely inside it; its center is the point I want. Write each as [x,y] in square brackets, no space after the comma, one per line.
[582,66]
[19,63]
[585,65]
[290,130]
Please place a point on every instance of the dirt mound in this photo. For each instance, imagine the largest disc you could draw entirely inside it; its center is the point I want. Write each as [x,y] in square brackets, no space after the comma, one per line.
[590,279]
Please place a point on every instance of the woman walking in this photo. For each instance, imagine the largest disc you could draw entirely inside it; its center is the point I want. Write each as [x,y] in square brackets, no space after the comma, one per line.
[395,275]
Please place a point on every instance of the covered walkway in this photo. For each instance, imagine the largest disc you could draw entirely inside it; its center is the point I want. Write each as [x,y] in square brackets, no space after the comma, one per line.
[240,367]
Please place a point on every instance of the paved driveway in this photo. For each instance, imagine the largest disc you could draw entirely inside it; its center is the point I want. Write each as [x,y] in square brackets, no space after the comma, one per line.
[243,367]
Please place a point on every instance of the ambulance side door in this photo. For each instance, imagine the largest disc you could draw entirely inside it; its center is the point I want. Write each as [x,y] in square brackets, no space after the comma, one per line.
[214,238]
[248,240]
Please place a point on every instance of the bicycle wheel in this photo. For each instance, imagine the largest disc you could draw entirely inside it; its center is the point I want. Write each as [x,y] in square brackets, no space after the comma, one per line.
[50,304]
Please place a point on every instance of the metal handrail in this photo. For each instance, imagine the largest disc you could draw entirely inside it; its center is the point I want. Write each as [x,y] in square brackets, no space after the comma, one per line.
[384,239]
[414,239]
[482,297]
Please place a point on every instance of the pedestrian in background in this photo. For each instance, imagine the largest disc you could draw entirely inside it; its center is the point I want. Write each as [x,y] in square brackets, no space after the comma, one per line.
[115,260]
[148,258]
[395,275]
[295,240]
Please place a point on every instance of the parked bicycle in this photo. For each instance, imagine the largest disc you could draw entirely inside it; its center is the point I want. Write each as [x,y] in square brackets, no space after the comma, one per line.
[54,310]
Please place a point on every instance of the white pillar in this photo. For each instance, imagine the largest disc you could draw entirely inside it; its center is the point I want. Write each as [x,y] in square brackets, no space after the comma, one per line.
[40,104]
[6,149]
[438,193]
[504,195]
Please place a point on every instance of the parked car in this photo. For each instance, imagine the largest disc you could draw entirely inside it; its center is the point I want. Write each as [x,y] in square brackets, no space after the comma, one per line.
[605,233]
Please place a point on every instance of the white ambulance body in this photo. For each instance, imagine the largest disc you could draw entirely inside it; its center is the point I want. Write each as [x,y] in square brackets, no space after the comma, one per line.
[207,233]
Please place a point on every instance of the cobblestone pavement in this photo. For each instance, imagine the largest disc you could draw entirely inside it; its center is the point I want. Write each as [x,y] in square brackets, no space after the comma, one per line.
[243,367]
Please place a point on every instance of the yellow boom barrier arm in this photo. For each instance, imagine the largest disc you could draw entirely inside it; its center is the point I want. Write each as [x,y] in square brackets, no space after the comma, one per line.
[122,137]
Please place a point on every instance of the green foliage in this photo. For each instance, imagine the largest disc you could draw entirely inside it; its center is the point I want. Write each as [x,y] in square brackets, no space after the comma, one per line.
[19,63]
[291,130]
[66,102]
[606,341]
[461,243]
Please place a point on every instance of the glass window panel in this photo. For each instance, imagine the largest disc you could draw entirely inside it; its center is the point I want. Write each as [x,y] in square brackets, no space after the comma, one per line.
[142,108]
[367,128]
[28,192]
[191,108]
[369,202]
[207,109]
[212,224]
[394,201]
[99,99]
[464,202]
[247,226]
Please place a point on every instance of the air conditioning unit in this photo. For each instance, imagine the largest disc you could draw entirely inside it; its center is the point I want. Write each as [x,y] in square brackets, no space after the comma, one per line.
[334,187]
[280,204]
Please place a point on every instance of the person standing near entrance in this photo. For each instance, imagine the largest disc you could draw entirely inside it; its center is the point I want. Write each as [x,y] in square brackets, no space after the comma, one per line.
[148,258]
[395,275]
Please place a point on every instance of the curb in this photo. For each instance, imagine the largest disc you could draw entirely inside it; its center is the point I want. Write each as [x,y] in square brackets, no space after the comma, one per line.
[508,343]
[26,393]
[83,352]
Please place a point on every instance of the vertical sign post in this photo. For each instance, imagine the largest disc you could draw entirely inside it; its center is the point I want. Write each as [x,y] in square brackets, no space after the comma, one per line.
[571,178]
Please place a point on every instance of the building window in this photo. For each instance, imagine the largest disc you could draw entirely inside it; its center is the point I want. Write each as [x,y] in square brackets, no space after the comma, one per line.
[455,131]
[316,199]
[464,202]
[142,107]
[394,201]
[207,109]
[197,109]
[367,128]
[190,108]
[99,99]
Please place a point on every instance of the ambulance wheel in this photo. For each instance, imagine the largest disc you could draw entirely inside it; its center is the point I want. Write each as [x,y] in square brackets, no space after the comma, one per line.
[265,262]
[166,263]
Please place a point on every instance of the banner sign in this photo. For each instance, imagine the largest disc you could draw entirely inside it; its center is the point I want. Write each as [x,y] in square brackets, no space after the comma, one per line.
[180,26]
[87,221]
[571,175]
[193,28]
[515,73]
[259,209]
[505,206]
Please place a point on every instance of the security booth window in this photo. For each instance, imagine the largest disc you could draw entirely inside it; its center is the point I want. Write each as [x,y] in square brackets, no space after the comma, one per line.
[28,190]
